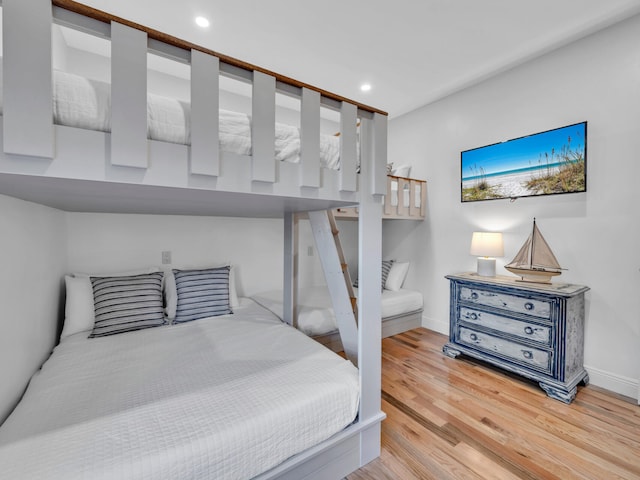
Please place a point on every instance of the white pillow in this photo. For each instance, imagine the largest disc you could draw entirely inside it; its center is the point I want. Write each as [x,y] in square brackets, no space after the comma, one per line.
[79,311]
[396,276]
[171,294]
[401,171]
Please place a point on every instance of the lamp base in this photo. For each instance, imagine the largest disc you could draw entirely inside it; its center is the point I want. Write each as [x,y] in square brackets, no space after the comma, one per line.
[486,267]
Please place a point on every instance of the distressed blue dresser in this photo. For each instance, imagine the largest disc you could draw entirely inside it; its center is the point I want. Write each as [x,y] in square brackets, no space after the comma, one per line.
[534,330]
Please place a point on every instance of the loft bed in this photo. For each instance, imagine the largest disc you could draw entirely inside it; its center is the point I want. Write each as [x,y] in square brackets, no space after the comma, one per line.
[405,199]
[120,169]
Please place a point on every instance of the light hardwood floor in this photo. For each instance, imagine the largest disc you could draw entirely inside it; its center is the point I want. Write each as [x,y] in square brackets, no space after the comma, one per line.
[461,419]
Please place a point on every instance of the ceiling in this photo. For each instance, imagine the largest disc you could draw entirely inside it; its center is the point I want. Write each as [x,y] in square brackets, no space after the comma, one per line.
[412,52]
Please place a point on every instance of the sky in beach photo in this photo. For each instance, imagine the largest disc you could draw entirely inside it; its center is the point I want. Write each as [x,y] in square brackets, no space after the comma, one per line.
[520,154]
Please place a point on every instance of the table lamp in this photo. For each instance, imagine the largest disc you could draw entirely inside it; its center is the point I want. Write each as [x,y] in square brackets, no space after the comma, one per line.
[485,246]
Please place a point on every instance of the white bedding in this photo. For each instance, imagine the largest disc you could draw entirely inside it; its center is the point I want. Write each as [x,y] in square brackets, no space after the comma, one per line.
[218,398]
[85,103]
[315,313]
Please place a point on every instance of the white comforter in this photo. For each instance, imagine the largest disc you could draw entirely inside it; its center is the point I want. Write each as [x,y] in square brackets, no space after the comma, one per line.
[315,311]
[84,103]
[225,397]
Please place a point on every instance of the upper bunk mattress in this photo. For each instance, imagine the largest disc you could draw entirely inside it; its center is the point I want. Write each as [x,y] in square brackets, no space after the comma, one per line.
[217,398]
[315,311]
[86,103]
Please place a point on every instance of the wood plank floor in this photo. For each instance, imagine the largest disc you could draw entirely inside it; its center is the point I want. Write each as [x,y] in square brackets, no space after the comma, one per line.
[461,419]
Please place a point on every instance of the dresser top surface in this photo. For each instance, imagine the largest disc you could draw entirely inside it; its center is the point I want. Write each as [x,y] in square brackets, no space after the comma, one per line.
[562,289]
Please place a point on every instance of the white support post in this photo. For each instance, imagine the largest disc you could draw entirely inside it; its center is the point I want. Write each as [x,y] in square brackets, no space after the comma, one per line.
[27,78]
[290,290]
[263,128]
[205,99]
[348,147]
[369,294]
[310,139]
[379,174]
[328,255]
[128,97]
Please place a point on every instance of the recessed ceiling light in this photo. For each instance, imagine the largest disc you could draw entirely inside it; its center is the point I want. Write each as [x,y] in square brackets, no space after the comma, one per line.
[365,87]
[202,22]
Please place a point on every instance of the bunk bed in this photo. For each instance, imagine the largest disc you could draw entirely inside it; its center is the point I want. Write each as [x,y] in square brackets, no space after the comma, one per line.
[401,310]
[120,169]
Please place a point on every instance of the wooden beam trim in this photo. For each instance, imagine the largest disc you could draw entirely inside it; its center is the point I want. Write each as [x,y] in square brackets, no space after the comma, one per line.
[105,17]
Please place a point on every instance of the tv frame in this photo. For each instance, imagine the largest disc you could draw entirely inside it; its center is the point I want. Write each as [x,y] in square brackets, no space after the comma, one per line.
[501,147]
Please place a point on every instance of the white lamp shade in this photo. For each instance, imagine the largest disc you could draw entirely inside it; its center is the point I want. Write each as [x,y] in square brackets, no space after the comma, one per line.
[487,244]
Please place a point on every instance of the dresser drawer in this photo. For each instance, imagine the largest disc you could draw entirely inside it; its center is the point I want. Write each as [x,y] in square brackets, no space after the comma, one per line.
[518,328]
[532,357]
[513,303]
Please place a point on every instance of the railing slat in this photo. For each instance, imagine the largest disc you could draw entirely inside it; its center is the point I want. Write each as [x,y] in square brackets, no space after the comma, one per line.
[205,81]
[348,147]
[388,208]
[263,128]
[310,139]
[27,83]
[403,208]
[423,199]
[414,210]
[128,97]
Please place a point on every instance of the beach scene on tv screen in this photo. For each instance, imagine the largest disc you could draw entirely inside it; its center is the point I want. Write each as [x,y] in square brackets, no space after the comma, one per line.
[541,164]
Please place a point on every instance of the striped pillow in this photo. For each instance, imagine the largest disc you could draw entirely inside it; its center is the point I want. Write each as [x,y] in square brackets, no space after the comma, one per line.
[124,304]
[386,267]
[202,293]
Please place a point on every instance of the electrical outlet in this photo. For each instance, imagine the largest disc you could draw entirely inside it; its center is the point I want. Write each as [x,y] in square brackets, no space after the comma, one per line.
[166,257]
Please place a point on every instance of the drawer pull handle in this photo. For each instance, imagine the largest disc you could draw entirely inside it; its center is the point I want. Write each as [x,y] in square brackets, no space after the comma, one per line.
[528,330]
[473,337]
[473,316]
[529,306]
[527,354]
[474,296]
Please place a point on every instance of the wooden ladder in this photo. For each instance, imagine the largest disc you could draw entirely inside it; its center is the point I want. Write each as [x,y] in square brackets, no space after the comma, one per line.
[331,255]
[343,264]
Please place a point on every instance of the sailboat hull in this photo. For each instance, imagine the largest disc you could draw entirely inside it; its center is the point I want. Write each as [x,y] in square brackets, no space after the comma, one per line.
[533,276]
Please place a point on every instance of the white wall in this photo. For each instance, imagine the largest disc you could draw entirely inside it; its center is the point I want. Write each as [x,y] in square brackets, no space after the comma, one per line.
[116,242]
[594,234]
[33,246]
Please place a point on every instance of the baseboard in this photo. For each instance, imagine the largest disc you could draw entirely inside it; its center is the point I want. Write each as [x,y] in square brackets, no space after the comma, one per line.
[436,325]
[615,383]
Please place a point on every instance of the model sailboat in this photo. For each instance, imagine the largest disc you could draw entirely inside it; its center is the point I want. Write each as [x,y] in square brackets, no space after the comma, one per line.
[535,262]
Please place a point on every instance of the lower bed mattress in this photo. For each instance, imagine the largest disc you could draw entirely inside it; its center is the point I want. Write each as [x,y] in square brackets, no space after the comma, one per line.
[217,398]
[315,311]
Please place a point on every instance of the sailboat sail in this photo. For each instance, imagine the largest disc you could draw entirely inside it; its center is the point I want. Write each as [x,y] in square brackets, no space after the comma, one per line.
[542,256]
[535,258]
[523,257]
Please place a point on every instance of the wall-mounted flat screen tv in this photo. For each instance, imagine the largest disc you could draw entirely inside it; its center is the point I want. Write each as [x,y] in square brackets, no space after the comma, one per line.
[545,163]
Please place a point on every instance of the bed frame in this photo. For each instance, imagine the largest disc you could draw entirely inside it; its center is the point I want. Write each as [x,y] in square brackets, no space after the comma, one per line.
[124,172]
